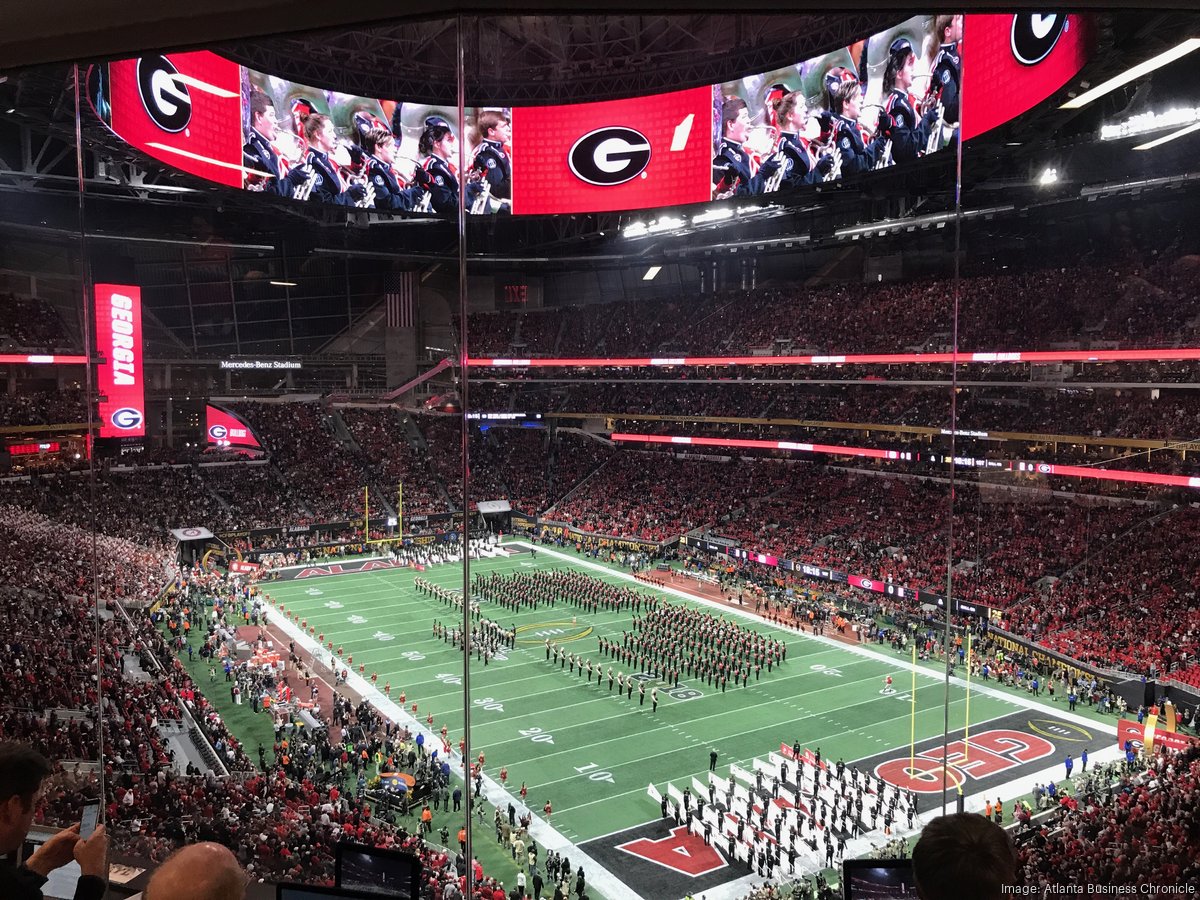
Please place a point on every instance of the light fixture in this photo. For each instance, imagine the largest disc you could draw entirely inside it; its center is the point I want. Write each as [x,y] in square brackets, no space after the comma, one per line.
[1158,142]
[1151,121]
[1133,73]
[712,215]
[284,283]
[651,272]
[666,223]
[1048,176]
[635,229]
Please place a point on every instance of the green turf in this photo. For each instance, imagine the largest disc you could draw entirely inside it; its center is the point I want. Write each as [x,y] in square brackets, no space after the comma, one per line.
[247,726]
[584,749]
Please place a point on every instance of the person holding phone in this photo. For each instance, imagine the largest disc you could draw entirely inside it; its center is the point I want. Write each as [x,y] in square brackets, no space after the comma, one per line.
[22,772]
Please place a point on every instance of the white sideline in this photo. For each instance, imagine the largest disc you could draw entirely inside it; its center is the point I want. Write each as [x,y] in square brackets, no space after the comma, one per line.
[496,794]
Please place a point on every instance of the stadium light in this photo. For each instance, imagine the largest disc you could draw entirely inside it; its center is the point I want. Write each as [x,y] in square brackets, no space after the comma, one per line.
[1133,73]
[1158,142]
[1151,121]
[1048,176]
[284,283]
[635,229]
[712,215]
[651,272]
[666,223]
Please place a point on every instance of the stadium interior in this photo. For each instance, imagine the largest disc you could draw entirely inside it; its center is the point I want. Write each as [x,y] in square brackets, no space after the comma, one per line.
[468,477]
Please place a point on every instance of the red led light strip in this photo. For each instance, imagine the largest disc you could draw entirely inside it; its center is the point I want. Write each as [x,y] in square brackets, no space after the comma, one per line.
[678,440]
[36,359]
[1165,354]
[1189,481]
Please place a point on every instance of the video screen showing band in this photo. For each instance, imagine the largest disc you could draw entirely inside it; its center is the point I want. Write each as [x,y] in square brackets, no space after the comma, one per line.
[888,100]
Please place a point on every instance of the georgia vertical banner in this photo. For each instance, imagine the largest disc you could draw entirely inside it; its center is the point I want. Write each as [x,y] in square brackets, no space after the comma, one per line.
[119,344]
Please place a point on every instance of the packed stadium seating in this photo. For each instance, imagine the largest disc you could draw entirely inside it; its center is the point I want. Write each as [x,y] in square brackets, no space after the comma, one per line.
[1137,833]
[1130,301]
[28,323]
[43,408]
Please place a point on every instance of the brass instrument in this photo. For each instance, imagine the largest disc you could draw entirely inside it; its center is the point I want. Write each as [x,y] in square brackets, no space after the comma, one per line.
[772,184]
[304,191]
[425,204]
[935,141]
[885,158]
[480,205]
[835,171]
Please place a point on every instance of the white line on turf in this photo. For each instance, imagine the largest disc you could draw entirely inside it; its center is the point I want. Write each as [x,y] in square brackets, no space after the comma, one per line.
[857,649]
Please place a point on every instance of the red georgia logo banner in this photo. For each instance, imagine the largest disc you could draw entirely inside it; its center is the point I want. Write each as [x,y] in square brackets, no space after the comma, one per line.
[615,154]
[119,342]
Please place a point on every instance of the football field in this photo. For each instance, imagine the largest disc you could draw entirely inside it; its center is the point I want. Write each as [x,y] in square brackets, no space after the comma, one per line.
[592,753]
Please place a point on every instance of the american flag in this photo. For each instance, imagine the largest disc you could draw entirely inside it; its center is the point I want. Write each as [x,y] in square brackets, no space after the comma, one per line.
[400,294]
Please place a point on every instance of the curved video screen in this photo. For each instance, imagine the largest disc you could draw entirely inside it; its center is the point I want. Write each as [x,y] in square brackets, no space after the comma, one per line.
[889,100]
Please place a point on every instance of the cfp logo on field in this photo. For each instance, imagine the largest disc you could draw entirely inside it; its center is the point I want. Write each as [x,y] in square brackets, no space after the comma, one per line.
[218,432]
[609,156]
[1035,34]
[165,99]
[127,418]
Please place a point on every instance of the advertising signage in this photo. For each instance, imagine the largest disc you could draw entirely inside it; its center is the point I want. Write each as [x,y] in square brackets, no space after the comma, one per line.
[119,343]
[227,430]
[889,99]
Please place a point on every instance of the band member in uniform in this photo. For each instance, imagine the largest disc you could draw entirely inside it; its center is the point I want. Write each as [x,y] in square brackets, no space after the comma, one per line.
[379,152]
[259,153]
[437,176]
[945,81]
[799,165]
[327,183]
[775,95]
[909,135]
[732,168]
[491,164]
[858,151]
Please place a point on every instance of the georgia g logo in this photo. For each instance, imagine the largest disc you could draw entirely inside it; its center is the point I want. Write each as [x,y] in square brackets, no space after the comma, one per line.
[609,156]
[218,432]
[166,100]
[127,418]
[1035,34]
